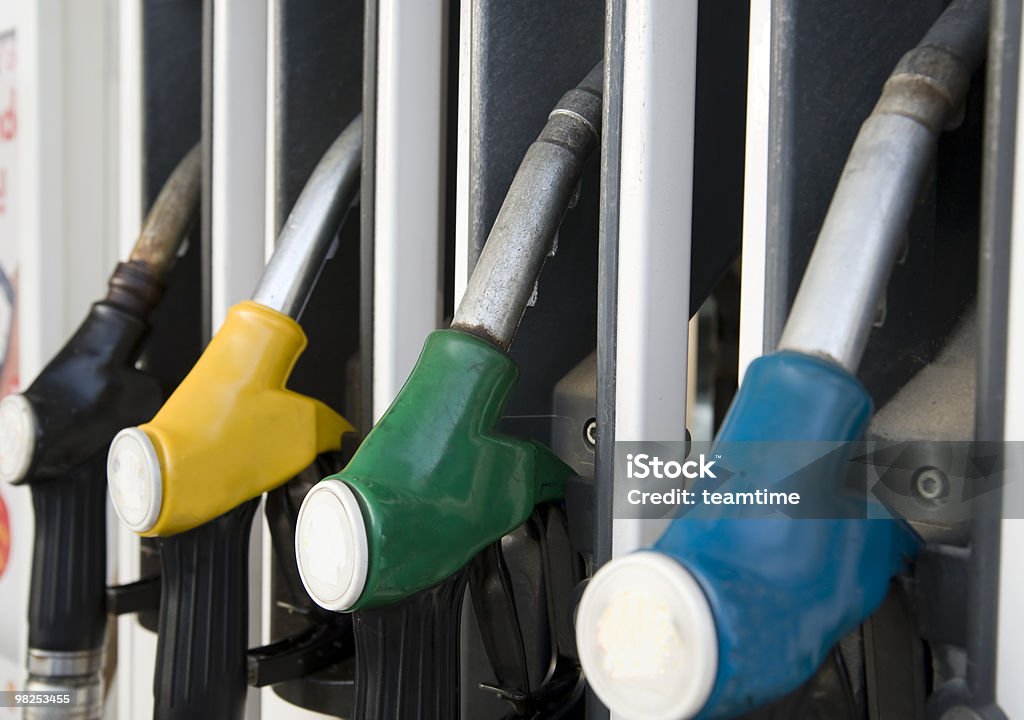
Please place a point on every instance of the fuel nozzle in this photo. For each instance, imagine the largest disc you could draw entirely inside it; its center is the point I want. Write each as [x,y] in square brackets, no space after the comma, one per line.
[724,614]
[54,437]
[231,431]
[434,482]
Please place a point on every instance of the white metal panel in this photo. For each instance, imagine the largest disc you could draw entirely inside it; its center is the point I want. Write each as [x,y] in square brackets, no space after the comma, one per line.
[272,707]
[1010,650]
[238,189]
[463,153]
[656,193]
[239,185]
[136,647]
[409,199]
[755,187]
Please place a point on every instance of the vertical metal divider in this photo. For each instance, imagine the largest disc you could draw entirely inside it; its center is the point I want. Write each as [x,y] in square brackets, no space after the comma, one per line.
[368,200]
[641,393]
[463,253]
[133,643]
[755,189]
[238,163]
[409,186]
[655,204]
[607,299]
[997,654]
[238,181]
[608,273]
[270,222]
[206,199]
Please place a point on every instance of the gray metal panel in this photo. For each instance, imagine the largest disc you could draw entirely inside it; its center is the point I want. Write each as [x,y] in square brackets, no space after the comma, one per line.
[524,56]
[723,36]
[366,210]
[319,72]
[607,283]
[319,59]
[607,299]
[172,47]
[993,292]
[829,61]
[176,83]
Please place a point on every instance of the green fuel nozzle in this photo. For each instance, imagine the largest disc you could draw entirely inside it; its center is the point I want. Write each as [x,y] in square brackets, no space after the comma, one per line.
[434,482]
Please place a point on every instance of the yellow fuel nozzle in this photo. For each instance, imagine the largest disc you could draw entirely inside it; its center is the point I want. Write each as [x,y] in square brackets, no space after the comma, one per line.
[230,432]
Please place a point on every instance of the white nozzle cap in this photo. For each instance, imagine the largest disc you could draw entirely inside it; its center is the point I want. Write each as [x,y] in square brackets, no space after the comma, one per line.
[331,549]
[135,480]
[17,437]
[646,638]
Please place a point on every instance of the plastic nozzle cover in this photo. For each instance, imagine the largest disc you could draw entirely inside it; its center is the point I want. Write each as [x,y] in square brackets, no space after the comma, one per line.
[135,480]
[647,638]
[17,437]
[330,546]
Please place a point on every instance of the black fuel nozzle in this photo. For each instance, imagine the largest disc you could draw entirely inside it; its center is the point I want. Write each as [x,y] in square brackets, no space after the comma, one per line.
[54,438]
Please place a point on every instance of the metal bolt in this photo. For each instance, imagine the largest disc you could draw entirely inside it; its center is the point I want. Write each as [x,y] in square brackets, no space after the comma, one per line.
[931,485]
[590,432]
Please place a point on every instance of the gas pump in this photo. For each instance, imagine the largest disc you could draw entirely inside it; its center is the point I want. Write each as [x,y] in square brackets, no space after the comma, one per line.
[192,476]
[722,615]
[54,439]
[389,538]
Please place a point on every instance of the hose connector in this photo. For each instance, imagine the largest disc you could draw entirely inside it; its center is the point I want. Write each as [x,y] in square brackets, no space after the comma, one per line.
[74,675]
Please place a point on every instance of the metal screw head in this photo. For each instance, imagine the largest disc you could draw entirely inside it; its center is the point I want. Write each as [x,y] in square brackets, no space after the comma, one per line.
[931,486]
[590,433]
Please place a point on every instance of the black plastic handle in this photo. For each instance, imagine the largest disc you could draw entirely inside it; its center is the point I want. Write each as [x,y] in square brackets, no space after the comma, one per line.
[407,655]
[67,604]
[204,620]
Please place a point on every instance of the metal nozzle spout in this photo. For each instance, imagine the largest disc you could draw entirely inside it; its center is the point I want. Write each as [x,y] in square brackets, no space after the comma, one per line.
[523,234]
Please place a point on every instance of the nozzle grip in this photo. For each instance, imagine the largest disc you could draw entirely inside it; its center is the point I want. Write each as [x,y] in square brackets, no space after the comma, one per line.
[407,655]
[67,605]
[204,620]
